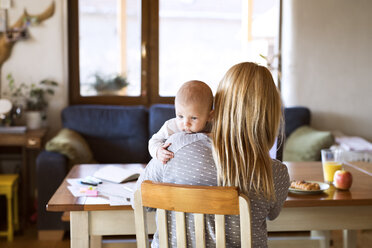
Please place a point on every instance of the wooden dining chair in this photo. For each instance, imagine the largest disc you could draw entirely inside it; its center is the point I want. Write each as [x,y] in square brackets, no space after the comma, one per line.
[199,200]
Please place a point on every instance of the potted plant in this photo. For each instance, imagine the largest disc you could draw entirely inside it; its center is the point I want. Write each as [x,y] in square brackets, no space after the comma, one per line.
[36,103]
[110,84]
[33,98]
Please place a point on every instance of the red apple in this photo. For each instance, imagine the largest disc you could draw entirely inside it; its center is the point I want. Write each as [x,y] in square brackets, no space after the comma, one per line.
[342,179]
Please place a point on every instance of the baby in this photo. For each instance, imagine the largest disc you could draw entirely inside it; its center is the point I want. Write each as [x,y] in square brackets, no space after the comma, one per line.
[193,105]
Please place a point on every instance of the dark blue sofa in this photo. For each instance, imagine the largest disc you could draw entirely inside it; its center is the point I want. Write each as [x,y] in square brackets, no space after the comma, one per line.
[115,134]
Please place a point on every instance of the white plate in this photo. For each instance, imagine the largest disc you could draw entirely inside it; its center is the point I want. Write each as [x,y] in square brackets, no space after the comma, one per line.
[323,186]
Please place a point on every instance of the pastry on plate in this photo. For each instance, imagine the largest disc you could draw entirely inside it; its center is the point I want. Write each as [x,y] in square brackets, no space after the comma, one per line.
[303,185]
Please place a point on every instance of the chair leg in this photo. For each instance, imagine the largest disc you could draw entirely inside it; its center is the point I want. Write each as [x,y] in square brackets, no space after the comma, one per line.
[15,204]
[10,218]
[325,235]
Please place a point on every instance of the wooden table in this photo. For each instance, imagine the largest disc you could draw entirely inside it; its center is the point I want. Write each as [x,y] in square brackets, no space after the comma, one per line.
[29,141]
[361,166]
[331,210]
[89,222]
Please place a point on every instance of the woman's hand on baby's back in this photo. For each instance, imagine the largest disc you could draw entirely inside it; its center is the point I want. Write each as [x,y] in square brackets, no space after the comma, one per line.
[163,154]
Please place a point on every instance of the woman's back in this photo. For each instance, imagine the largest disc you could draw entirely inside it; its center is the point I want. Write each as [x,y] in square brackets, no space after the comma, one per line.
[193,164]
[247,120]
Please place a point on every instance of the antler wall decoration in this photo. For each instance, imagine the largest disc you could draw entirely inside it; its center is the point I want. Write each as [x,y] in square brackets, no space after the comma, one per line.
[19,30]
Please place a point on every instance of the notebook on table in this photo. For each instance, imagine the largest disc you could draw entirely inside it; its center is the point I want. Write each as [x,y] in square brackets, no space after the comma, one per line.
[117,174]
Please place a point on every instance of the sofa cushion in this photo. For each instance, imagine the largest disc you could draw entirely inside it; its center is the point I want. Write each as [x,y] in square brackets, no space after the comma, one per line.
[158,114]
[295,117]
[305,143]
[115,134]
[72,145]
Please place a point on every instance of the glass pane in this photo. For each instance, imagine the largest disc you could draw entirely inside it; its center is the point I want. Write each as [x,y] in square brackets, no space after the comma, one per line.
[265,34]
[109,37]
[203,39]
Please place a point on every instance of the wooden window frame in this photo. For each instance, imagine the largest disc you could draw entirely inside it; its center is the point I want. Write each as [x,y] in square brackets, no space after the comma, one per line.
[149,60]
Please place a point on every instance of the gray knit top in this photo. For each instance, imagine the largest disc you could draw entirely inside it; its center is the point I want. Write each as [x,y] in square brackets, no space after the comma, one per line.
[193,164]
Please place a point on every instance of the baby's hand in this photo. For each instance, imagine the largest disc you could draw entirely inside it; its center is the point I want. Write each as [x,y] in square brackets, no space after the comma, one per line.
[163,154]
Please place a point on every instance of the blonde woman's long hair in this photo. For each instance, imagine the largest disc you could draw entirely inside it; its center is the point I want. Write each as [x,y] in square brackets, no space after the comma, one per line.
[246,123]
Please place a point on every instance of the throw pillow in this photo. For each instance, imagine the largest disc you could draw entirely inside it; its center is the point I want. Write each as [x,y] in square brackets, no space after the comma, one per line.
[305,143]
[72,145]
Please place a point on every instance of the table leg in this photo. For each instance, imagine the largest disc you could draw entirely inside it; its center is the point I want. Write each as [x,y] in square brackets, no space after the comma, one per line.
[325,237]
[349,238]
[95,241]
[79,229]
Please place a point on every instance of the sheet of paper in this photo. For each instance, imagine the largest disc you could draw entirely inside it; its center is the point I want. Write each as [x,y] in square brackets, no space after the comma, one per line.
[115,174]
[116,190]
[118,201]
[75,191]
[74,181]
[97,200]
[111,193]
[130,186]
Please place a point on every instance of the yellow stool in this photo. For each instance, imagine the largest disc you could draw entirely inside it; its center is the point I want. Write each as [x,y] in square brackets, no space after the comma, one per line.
[9,188]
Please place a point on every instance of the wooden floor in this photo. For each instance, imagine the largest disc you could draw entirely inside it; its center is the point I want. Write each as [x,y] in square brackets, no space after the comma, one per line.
[29,240]
[364,239]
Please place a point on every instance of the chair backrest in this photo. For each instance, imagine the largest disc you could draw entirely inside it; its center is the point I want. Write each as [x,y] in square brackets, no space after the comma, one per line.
[199,200]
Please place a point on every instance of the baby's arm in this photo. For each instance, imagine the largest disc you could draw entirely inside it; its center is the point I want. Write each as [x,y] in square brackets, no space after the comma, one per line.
[163,154]
[157,145]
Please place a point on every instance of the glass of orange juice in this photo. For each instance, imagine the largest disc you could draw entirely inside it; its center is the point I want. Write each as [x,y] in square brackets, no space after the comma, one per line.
[332,161]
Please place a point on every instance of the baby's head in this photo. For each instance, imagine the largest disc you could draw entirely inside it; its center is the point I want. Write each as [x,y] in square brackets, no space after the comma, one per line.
[193,106]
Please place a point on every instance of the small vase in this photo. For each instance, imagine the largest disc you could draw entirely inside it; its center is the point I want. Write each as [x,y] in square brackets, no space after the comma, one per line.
[34,119]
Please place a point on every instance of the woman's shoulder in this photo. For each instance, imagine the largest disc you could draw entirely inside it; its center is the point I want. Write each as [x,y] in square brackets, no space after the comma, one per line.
[279,167]
[182,139]
[280,174]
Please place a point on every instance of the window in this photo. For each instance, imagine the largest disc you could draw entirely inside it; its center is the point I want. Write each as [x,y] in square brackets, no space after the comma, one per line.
[106,24]
[156,45]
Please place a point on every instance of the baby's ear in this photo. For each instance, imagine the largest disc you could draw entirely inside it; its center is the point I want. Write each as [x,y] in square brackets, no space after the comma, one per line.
[211,115]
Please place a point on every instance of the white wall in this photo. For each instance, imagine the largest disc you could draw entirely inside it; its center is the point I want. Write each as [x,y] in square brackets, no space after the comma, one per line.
[43,56]
[327,62]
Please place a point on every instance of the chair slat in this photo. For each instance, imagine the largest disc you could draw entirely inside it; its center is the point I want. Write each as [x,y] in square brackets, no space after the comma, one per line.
[199,230]
[245,222]
[199,200]
[162,227]
[220,231]
[141,222]
[181,229]
[190,199]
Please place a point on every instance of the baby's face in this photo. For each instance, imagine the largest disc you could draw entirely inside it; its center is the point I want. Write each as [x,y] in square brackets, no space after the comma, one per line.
[192,118]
